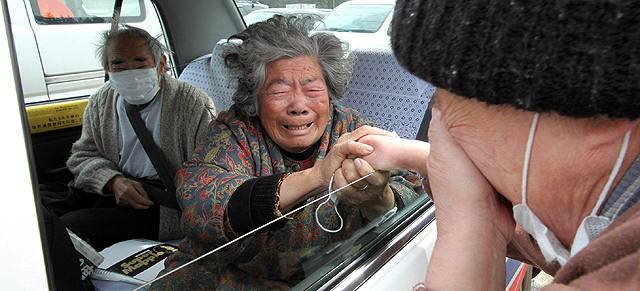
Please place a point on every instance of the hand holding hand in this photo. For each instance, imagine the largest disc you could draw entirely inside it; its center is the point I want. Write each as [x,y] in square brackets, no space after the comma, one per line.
[346,147]
[372,195]
[394,153]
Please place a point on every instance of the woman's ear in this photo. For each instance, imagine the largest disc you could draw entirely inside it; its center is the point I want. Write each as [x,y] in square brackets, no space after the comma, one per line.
[162,66]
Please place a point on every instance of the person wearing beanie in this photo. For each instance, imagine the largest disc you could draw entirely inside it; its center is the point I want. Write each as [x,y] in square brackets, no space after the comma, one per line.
[534,140]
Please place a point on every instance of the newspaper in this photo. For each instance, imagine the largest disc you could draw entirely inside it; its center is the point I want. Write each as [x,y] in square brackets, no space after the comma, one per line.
[131,263]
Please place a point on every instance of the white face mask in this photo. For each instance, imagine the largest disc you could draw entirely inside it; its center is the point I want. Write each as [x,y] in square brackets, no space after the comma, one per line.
[136,86]
[591,226]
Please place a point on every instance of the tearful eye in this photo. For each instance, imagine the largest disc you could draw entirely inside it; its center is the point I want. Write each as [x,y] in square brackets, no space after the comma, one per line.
[278,92]
[315,91]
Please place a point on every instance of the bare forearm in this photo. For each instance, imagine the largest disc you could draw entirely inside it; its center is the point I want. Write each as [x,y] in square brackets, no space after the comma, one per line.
[467,258]
[397,154]
[414,156]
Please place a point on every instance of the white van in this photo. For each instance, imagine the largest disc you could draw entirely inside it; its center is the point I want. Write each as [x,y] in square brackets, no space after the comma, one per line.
[63,33]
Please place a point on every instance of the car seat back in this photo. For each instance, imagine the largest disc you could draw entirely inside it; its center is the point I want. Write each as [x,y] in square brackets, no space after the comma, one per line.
[386,93]
[210,74]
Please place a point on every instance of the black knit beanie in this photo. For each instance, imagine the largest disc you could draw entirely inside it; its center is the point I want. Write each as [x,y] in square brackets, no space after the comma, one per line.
[579,58]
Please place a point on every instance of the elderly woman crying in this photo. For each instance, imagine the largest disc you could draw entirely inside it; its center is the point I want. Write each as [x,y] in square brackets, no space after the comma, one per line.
[281,144]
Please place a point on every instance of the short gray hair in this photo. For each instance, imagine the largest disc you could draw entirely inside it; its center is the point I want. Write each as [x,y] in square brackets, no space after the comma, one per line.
[288,37]
[155,46]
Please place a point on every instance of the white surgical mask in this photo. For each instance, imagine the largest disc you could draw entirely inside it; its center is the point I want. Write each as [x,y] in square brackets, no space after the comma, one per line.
[591,226]
[136,86]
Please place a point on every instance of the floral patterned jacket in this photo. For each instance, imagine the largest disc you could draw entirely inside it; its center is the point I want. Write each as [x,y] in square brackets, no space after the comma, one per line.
[235,150]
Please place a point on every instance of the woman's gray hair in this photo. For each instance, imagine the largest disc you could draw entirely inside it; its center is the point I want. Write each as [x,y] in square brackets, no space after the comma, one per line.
[156,47]
[288,37]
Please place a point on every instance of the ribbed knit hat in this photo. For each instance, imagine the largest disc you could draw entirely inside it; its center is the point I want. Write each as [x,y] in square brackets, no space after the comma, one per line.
[579,58]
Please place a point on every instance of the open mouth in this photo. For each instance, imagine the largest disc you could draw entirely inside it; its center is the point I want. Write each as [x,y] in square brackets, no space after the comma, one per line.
[297,127]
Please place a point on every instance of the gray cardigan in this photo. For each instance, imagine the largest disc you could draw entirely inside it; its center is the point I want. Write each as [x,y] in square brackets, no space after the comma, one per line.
[186,113]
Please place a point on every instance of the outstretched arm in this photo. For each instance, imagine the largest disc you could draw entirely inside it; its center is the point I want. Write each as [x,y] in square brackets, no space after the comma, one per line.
[393,153]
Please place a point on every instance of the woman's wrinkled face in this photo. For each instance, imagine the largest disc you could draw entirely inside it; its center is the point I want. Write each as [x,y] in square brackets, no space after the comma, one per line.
[294,103]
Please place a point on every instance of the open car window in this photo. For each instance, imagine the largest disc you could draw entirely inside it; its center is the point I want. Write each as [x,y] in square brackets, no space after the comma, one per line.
[315,266]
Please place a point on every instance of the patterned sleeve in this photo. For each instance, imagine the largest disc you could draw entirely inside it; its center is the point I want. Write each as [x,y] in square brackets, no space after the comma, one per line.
[406,186]
[219,166]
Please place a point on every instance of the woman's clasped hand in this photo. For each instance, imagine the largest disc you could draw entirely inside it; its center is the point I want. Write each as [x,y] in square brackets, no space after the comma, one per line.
[372,194]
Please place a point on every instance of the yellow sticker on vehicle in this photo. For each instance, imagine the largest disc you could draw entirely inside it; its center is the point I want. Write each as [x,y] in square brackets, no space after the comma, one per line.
[55,116]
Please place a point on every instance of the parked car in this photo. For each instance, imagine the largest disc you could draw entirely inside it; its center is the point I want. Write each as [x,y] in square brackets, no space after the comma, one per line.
[264,14]
[245,6]
[384,256]
[364,23]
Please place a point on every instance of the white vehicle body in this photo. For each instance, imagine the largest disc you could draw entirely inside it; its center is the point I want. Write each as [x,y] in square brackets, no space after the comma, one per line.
[246,7]
[66,65]
[362,23]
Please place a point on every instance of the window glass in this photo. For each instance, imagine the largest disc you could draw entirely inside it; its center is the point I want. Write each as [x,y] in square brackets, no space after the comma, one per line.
[366,18]
[258,16]
[313,265]
[261,15]
[332,259]
[304,268]
[84,11]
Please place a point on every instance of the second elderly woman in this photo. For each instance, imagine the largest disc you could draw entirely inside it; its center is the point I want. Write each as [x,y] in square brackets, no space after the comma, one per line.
[275,149]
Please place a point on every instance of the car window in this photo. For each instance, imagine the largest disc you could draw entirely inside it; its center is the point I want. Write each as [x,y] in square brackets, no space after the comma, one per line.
[84,11]
[258,16]
[319,264]
[316,17]
[356,18]
[261,15]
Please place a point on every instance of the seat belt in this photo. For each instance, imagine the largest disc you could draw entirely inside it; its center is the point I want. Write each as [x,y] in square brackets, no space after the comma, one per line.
[155,154]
